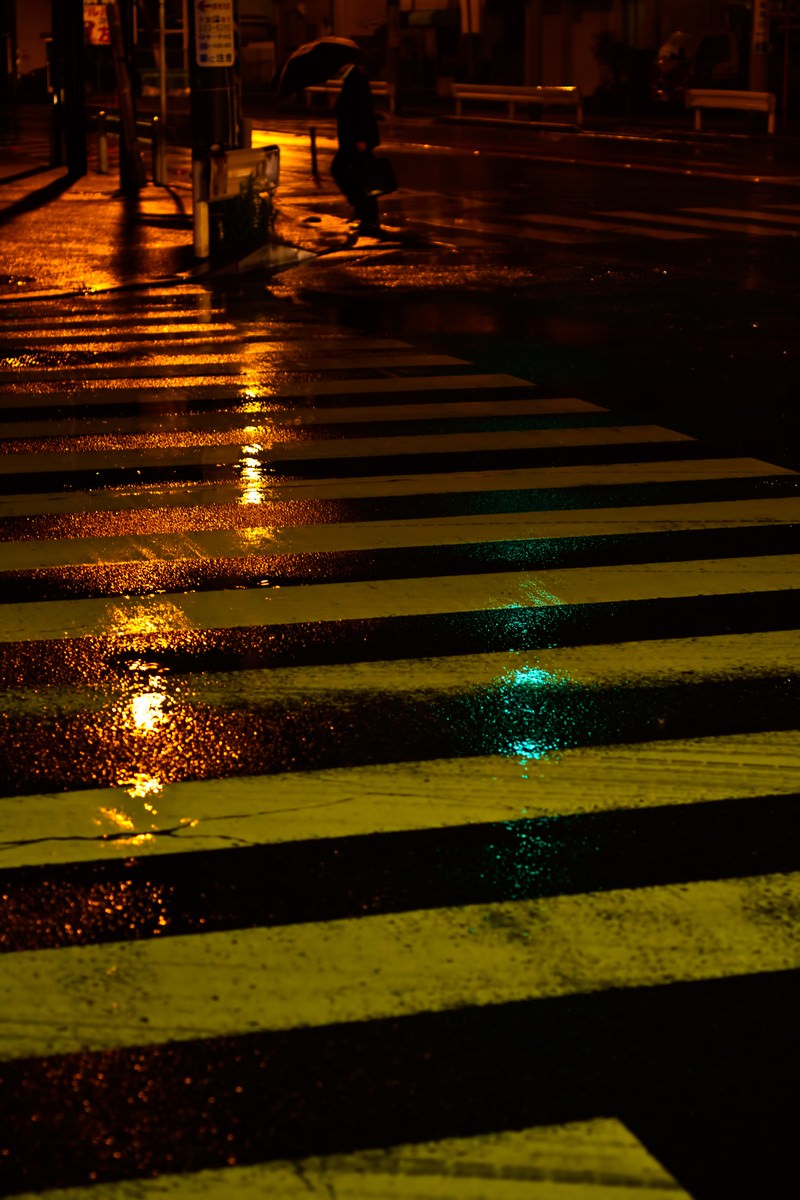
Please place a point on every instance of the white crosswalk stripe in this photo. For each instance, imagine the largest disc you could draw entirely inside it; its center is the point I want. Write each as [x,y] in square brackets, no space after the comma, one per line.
[685,224]
[373,728]
[750,227]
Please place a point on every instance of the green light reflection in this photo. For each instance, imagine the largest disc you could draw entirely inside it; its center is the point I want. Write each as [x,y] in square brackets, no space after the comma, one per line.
[524,700]
[520,860]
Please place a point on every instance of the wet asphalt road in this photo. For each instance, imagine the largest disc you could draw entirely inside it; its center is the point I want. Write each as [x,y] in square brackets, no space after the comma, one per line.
[400,729]
[664,280]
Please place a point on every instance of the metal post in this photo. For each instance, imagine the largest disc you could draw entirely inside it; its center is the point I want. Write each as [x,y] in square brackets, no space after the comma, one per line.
[759,46]
[159,148]
[215,101]
[162,59]
[56,129]
[200,220]
[533,42]
[102,142]
[786,67]
[393,43]
[312,133]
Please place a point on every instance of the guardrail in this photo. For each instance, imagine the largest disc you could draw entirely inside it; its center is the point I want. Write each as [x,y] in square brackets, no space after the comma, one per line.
[379,87]
[512,96]
[153,131]
[176,82]
[701,98]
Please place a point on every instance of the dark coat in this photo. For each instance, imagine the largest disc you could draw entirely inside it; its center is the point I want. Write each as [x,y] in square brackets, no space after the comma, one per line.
[355,112]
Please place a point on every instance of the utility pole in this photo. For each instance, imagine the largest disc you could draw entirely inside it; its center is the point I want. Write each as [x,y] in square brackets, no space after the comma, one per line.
[69,98]
[132,174]
[9,115]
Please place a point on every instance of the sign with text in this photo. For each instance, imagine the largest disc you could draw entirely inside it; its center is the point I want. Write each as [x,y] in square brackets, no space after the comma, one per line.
[760,39]
[95,25]
[213,33]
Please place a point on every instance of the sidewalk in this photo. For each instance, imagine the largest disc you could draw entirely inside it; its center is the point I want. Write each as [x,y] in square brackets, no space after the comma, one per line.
[61,236]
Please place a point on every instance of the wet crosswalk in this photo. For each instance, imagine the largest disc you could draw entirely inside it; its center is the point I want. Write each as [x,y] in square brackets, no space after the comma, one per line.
[399,771]
[660,225]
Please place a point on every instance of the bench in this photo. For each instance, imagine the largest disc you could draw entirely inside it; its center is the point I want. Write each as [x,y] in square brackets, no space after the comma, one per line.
[700,98]
[512,96]
[232,169]
[379,88]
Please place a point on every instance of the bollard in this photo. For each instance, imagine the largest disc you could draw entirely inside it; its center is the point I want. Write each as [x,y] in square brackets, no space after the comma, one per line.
[159,146]
[312,133]
[200,214]
[102,142]
[56,131]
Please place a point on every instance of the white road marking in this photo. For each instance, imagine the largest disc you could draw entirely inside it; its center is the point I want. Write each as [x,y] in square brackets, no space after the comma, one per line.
[582,1160]
[202,497]
[250,390]
[277,355]
[274,416]
[586,223]
[249,455]
[227,983]
[218,814]
[745,214]
[355,536]
[698,223]
[511,231]
[244,607]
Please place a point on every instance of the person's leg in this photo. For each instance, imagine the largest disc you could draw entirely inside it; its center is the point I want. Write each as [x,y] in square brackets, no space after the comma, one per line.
[367,213]
[342,173]
[347,177]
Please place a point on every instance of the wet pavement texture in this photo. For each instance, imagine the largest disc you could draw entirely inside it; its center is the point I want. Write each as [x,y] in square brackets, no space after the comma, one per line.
[400,723]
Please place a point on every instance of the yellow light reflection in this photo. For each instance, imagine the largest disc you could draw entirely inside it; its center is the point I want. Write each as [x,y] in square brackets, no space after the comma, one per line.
[122,823]
[141,785]
[147,710]
[252,495]
[253,398]
[251,476]
[118,818]
[148,616]
[142,713]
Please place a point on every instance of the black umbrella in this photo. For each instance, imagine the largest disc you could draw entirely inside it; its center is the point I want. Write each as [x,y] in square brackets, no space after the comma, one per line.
[315,62]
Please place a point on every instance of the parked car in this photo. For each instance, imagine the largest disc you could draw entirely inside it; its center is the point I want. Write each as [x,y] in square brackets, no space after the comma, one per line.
[710,60]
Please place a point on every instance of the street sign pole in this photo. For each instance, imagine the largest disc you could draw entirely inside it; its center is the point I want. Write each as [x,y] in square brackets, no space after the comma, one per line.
[162,61]
[215,100]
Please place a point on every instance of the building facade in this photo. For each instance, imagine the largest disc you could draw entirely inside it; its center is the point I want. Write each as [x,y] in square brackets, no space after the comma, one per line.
[522,41]
[427,42]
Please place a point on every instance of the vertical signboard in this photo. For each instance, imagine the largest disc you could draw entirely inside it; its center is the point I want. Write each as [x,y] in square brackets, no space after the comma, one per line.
[761,26]
[213,33]
[95,24]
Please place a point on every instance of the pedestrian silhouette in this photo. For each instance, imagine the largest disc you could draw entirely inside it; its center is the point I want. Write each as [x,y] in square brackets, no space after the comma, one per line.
[357,135]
